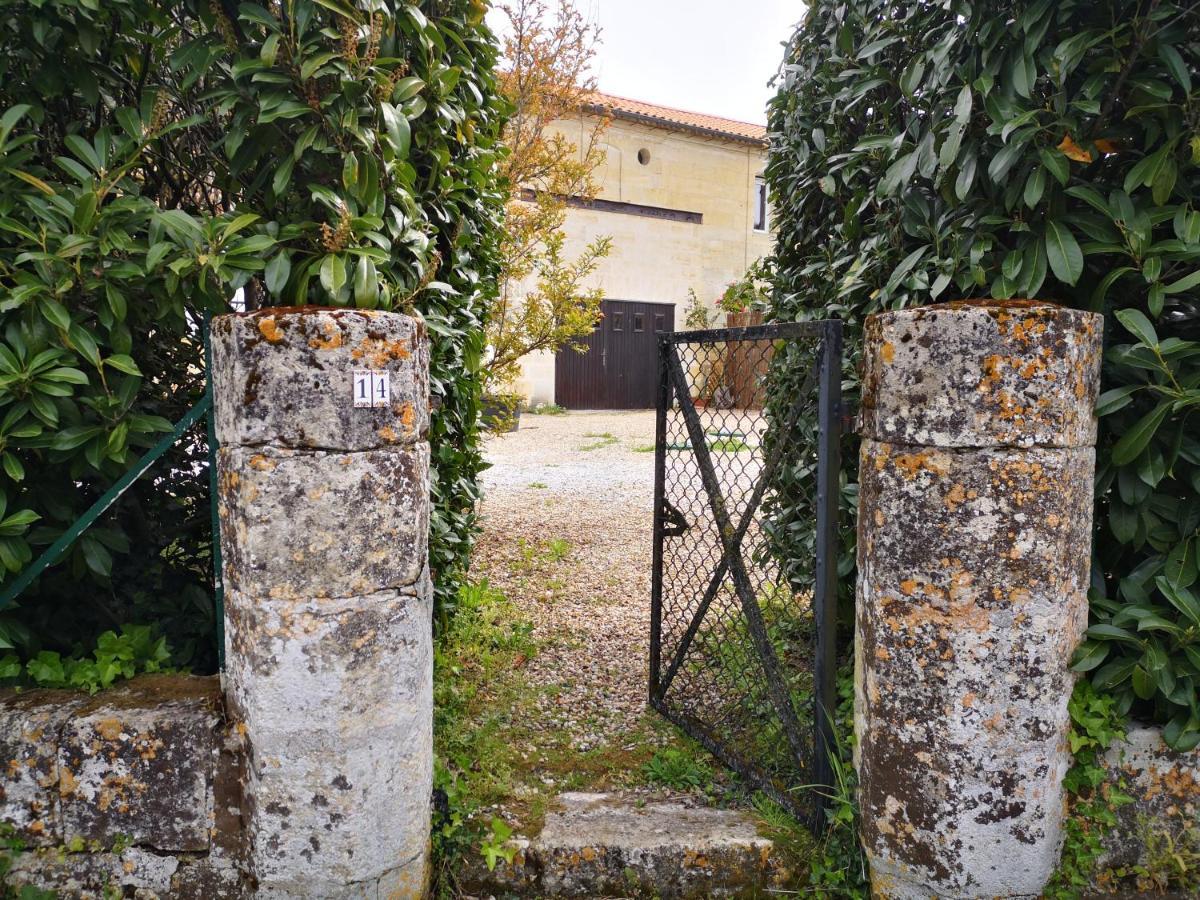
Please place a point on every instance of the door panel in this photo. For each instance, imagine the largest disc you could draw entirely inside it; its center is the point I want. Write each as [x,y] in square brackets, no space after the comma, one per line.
[619,368]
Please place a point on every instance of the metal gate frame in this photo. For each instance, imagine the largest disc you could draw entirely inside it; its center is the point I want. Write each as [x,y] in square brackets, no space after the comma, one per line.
[673,381]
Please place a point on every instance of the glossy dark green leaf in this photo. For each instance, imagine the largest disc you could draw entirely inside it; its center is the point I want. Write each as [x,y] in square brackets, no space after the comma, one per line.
[1134,440]
[1063,253]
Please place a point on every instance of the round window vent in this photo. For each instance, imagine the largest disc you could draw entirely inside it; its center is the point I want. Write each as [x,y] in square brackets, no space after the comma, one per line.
[644,156]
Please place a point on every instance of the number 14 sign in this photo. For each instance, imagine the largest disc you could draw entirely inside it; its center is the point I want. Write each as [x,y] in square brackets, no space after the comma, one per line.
[371,389]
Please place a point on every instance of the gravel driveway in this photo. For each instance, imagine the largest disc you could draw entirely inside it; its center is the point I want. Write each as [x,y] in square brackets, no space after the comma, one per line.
[567,535]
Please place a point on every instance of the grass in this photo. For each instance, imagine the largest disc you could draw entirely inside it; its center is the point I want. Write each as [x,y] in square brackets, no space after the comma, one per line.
[492,752]
[728,445]
[644,448]
[677,769]
[536,556]
[547,409]
[540,485]
[603,439]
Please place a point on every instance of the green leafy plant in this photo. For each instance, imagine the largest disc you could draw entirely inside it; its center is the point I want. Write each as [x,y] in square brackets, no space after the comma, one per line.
[155,160]
[495,845]
[752,291]
[547,409]
[137,649]
[926,152]
[677,769]
[1096,723]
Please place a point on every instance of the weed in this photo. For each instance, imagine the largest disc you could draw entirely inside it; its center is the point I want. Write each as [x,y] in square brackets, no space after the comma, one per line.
[547,409]
[603,439]
[1170,860]
[644,448]
[534,556]
[792,839]
[838,866]
[540,485]
[557,549]
[728,445]
[495,846]
[1095,723]
[677,769]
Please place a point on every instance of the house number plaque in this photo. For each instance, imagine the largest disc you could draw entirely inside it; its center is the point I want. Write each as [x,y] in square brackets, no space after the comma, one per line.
[371,389]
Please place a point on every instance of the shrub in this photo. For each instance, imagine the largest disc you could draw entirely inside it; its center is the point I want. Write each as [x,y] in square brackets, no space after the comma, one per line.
[1031,149]
[154,159]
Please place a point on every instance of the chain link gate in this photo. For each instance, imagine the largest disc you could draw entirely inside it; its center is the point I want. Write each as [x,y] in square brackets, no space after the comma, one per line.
[743,627]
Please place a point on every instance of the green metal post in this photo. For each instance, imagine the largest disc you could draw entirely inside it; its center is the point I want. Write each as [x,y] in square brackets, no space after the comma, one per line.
[97,509]
[213,446]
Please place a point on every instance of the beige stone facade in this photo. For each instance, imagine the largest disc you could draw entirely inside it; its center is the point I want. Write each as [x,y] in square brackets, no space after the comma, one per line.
[678,199]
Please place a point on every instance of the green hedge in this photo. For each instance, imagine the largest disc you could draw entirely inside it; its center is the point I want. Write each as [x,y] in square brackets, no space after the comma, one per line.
[1025,149]
[155,158]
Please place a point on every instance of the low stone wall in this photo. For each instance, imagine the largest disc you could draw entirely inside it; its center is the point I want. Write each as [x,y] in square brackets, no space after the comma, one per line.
[134,790]
[1165,787]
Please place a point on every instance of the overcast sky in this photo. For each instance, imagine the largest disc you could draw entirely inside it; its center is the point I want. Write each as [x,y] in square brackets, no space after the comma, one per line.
[710,56]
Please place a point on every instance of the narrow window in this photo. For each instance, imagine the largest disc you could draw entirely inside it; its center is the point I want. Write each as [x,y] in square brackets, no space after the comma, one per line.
[660,322]
[617,320]
[639,322]
[760,204]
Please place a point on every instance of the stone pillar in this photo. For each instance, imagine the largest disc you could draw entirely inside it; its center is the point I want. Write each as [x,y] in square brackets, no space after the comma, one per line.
[324,511]
[974,546]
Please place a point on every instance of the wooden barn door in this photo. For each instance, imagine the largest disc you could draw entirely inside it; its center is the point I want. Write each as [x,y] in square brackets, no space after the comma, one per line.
[619,369]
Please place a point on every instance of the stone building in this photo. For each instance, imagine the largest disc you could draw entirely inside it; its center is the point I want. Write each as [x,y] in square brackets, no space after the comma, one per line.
[682,196]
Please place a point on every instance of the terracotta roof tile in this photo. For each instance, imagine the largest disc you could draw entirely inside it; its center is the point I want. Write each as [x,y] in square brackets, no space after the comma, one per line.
[678,119]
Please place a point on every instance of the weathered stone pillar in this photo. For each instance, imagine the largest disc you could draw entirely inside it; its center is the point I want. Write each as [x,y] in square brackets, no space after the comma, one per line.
[974,547]
[324,529]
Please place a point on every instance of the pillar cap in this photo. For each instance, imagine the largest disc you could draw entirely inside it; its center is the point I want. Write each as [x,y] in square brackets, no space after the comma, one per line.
[285,376]
[982,373]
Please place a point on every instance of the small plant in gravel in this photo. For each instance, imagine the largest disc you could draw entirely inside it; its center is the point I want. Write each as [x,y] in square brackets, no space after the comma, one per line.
[677,769]
[538,485]
[547,409]
[644,448]
[602,439]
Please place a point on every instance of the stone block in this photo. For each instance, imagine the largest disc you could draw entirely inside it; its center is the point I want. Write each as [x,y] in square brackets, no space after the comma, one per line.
[1165,787]
[337,700]
[305,524]
[972,596]
[283,376]
[608,845]
[31,724]
[982,373]
[133,872]
[136,764]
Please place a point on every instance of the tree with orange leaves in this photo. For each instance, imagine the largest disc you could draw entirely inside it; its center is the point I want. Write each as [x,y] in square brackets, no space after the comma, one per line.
[543,303]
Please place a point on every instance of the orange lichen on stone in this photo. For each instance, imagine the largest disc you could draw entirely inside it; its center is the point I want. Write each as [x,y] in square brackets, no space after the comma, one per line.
[388,433]
[332,339]
[912,464]
[270,330]
[260,462]
[955,498]
[109,729]
[408,416]
[887,352]
[67,783]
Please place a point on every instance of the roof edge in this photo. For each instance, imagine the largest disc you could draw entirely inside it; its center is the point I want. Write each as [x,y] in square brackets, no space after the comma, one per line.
[615,112]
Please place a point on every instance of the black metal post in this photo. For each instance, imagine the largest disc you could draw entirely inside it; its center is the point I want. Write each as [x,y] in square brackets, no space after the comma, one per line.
[829,402]
[660,466]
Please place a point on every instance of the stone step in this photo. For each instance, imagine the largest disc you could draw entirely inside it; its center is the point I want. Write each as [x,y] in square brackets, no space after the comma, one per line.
[608,845]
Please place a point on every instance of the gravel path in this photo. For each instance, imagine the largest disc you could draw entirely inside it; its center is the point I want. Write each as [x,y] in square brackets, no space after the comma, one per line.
[566,534]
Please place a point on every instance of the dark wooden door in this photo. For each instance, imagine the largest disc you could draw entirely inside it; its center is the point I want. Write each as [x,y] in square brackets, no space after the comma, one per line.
[619,369]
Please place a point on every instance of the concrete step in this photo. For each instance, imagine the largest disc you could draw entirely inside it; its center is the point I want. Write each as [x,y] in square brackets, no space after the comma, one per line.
[607,845]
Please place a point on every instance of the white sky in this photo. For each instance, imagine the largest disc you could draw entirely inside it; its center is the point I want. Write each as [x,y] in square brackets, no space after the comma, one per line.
[709,56]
